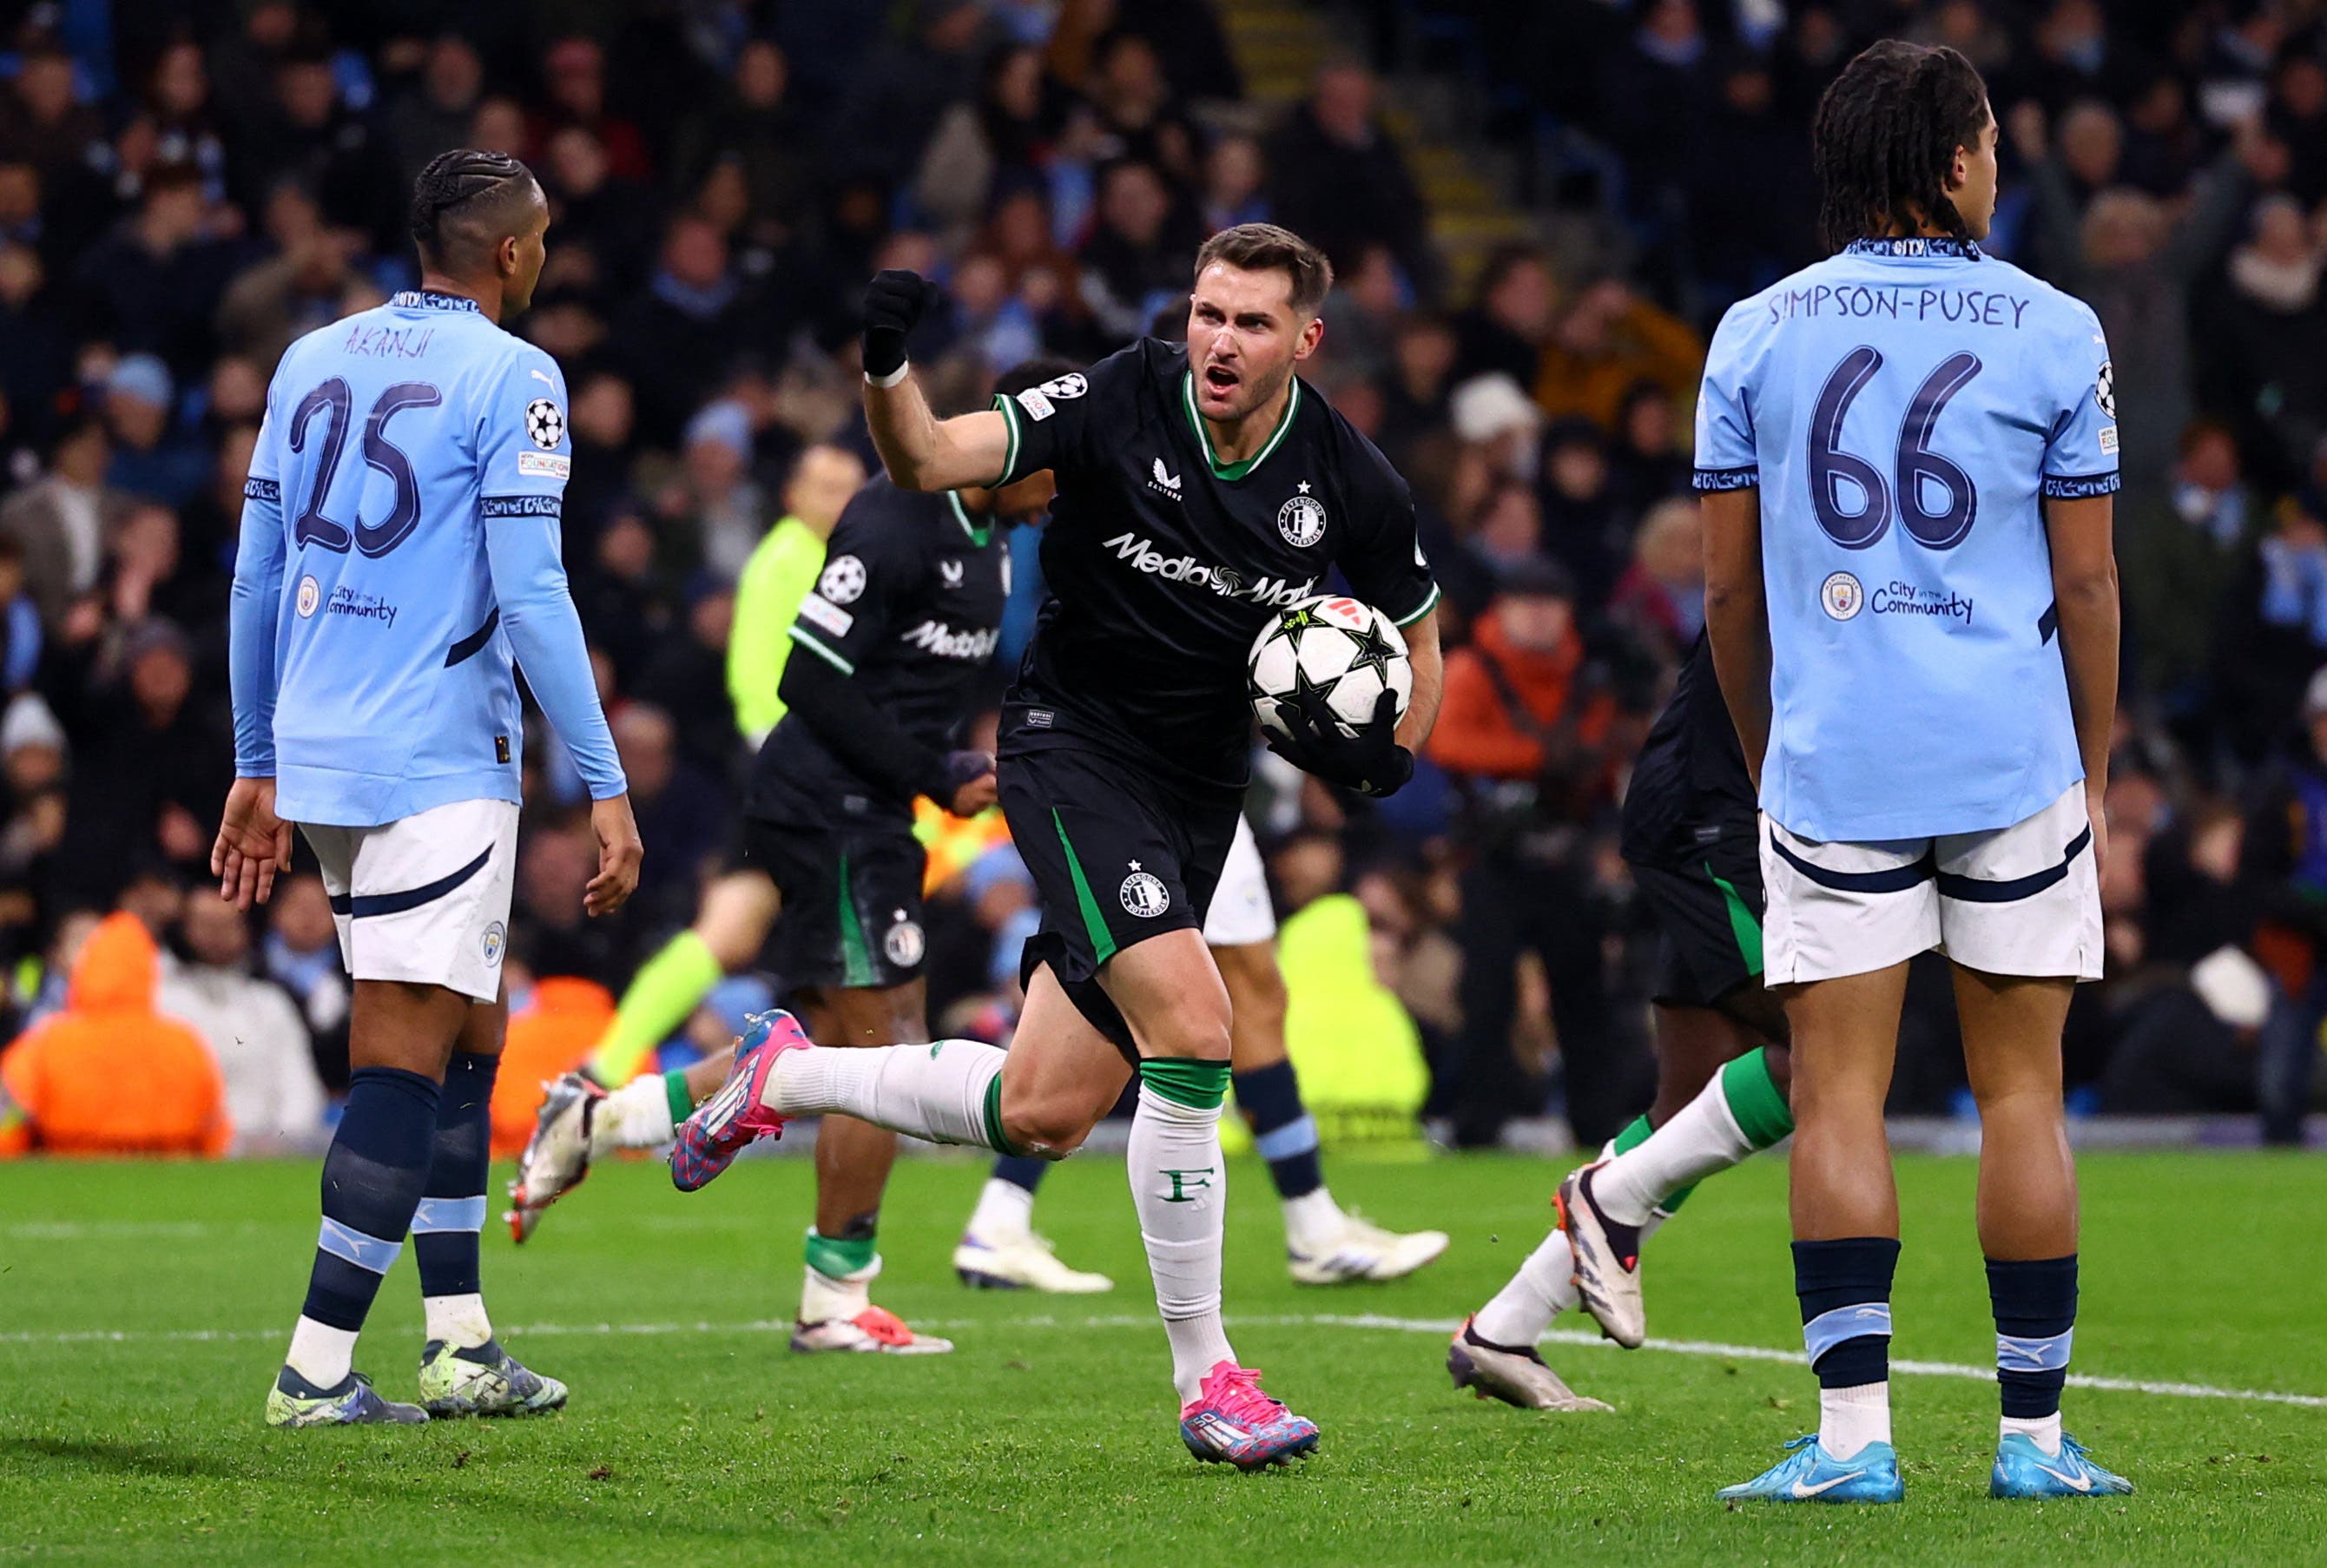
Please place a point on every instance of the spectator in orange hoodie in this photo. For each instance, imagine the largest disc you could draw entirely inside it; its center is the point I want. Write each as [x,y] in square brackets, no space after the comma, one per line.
[108,1075]
[551,1035]
[1530,733]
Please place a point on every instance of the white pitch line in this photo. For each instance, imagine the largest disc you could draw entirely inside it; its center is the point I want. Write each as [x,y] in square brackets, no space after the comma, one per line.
[1374,1320]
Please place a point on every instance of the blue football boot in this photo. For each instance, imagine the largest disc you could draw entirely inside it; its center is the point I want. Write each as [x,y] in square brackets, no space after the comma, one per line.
[2025,1470]
[1809,1474]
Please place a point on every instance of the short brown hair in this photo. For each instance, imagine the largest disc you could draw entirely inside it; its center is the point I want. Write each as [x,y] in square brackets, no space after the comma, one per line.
[1266,247]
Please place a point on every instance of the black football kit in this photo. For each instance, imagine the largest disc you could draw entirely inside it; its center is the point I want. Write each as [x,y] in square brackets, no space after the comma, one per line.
[888,648]
[1127,737]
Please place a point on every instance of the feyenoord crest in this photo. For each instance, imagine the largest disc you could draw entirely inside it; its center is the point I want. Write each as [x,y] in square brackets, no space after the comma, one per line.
[545,424]
[1143,893]
[904,943]
[1842,595]
[1301,519]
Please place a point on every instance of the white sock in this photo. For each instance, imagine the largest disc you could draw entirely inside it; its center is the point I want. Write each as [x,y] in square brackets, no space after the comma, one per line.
[321,1354]
[459,1320]
[635,1116]
[1004,1211]
[1544,1288]
[1702,1138]
[936,1091]
[1179,1186]
[829,1298]
[1851,1418]
[2043,1431]
[1313,1221]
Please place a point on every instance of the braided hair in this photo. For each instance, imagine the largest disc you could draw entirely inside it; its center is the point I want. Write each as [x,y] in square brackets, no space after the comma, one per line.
[1886,137]
[465,202]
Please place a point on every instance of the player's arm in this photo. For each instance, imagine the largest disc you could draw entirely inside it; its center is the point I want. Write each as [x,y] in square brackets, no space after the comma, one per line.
[2084,594]
[842,620]
[1728,478]
[2080,488]
[1384,566]
[253,844]
[1429,665]
[1736,615]
[522,497]
[919,450]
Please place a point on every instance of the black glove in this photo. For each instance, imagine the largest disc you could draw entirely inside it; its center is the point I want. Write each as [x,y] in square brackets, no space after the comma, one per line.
[894,302]
[960,768]
[1370,761]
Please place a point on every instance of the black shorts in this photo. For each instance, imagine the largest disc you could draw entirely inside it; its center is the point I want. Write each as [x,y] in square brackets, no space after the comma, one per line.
[851,910]
[1708,918]
[1118,856]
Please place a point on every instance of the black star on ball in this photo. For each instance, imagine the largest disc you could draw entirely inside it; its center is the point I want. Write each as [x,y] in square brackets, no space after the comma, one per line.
[1374,651]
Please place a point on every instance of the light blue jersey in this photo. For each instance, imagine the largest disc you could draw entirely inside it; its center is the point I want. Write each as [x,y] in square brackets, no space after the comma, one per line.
[399,551]
[1902,407]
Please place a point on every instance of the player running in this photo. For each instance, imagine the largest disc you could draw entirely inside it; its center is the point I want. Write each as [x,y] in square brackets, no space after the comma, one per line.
[888,648]
[1690,840]
[1908,453]
[1000,1249]
[399,551]
[1199,488]
[1324,1245]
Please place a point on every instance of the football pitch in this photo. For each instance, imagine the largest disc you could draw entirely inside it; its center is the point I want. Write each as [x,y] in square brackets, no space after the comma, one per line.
[145,1308]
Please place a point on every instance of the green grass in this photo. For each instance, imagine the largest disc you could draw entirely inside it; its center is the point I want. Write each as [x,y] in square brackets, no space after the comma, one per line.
[1048,1437]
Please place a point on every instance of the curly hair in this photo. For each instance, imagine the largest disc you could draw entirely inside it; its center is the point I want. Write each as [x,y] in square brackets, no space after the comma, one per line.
[465,201]
[1886,137]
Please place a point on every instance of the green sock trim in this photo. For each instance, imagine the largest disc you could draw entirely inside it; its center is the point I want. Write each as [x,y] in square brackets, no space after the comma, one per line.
[1743,925]
[840,1257]
[666,989]
[682,1099]
[1673,1200]
[1754,1099]
[1200,1084]
[1635,1134]
[994,1138]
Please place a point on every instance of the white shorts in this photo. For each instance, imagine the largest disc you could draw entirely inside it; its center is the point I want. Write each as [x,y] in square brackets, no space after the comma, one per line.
[2022,900]
[425,900]
[1241,914]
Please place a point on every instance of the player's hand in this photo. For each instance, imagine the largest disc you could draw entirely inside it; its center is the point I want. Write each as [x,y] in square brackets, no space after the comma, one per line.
[253,844]
[894,303]
[619,853]
[1370,761]
[969,785]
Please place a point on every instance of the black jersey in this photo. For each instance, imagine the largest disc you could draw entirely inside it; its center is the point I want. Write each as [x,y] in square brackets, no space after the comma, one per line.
[1162,564]
[909,608]
[1689,789]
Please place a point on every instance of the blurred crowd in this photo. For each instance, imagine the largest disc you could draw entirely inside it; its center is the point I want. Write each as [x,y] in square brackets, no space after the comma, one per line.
[188,185]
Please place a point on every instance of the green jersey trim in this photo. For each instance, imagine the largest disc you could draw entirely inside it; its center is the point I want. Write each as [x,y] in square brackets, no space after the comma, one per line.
[810,640]
[1235,470]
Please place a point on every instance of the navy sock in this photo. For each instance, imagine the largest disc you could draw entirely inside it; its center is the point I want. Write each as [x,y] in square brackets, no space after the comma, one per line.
[451,1212]
[2035,1304]
[1282,1128]
[373,1178]
[1845,1288]
[1020,1170]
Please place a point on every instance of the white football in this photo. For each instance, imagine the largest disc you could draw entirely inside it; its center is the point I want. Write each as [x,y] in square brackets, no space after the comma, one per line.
[1350,651]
